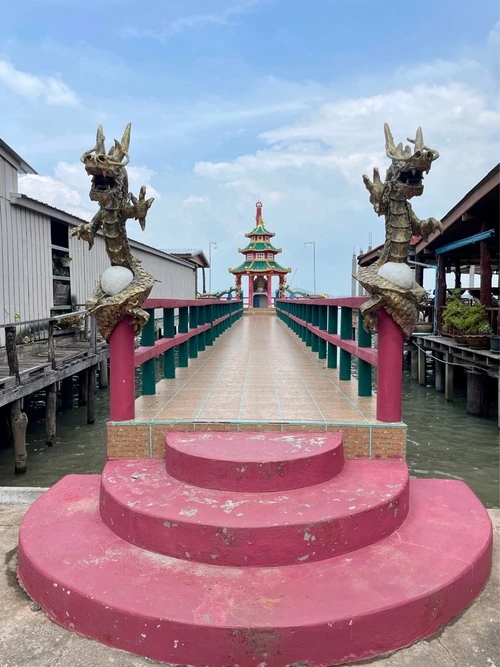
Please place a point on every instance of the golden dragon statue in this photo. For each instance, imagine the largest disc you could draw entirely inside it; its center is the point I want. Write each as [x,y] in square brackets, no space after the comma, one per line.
[390,280]
[120,292]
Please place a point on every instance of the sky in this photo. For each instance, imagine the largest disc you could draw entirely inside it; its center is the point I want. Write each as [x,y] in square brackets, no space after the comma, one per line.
[235,101]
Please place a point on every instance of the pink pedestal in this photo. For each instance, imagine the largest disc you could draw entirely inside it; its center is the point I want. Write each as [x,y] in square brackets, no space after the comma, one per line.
[390,369]
[122,372]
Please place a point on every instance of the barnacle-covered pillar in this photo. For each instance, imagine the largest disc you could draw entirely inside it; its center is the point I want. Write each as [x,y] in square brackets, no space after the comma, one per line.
[395,295]
[124,286]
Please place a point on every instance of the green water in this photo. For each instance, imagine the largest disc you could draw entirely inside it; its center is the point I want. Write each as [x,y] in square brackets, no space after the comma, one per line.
[443,441]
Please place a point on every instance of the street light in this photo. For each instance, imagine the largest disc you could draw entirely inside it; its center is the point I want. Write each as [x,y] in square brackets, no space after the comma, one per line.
[313,243]
[210,244]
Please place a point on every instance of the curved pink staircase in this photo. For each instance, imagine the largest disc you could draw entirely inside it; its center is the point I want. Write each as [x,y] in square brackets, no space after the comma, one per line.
[255,549]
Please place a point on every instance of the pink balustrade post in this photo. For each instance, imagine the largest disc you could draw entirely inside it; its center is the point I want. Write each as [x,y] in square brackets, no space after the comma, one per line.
[390,369]
[122,372]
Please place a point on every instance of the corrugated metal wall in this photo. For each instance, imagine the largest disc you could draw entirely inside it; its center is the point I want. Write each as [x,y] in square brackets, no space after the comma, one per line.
[26,288]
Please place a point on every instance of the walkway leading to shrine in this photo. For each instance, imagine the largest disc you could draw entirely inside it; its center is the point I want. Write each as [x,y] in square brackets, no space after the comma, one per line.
[257,376]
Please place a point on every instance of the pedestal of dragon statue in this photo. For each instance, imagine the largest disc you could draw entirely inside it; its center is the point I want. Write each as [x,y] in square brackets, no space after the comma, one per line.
[390,280]
[123,287]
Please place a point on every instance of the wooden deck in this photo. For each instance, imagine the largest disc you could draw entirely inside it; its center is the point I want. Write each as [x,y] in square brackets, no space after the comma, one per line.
[36,373]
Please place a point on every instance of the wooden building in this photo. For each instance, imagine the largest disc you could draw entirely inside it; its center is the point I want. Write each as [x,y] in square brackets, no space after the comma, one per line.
[44,271]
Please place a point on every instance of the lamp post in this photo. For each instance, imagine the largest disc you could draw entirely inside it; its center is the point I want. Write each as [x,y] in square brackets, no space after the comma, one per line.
[313,243]
[210,244]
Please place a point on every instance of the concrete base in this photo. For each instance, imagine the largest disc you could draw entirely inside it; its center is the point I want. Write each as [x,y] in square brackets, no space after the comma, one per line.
[336,572]
[30,638]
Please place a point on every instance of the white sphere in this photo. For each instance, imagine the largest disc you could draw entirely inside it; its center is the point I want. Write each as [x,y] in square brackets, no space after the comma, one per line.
[398,273]
[115,279]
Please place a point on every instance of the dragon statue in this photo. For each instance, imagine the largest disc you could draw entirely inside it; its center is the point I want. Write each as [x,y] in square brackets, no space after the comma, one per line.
[390,280]
[129,286]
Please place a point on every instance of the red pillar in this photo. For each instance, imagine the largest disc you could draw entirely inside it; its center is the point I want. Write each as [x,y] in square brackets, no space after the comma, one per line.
[250,291]
[390,369]
[270,290]
[122,372]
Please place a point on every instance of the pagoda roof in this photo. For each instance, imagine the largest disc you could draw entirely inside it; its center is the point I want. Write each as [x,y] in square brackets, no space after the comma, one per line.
[259,245]
[260,230]
[260,266]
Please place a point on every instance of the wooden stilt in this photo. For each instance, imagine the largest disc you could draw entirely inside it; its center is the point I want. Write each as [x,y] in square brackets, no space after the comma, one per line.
[67,392]
[91,390]
[50,414]
[414,362]
[83,387]
[19,424]
[438,373]
[103,374]
[448,377]
[477,394]
[421,367]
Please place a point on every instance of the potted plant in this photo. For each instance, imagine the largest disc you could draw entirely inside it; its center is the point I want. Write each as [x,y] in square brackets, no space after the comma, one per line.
[468,324]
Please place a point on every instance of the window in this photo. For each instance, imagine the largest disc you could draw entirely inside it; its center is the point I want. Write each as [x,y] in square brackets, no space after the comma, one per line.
[259,255]
[249,255]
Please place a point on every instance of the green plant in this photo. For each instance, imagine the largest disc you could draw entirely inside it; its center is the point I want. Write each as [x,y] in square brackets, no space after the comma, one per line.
[463,319]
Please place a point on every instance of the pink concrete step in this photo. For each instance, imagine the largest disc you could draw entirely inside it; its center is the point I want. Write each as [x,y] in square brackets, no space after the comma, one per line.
[142,504]
[254,461]
[347,608]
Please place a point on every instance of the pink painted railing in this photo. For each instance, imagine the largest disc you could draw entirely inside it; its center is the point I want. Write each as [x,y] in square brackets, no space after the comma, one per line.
[200,322]
[316,322]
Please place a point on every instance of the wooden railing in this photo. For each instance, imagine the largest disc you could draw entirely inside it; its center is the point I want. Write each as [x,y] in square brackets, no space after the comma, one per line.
[200,322]
[317,323]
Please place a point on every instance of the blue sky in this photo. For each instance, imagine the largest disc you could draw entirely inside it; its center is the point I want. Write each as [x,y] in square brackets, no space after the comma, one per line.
[232,101]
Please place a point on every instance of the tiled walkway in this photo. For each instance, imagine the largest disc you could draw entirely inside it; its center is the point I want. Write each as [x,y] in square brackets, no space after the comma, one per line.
[257,371]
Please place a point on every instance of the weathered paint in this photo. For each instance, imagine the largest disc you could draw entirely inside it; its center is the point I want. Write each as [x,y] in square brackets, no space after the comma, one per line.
[390,368]
[253,462]
[348,608]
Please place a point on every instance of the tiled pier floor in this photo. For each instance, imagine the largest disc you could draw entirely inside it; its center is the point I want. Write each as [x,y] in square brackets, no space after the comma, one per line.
[258,371]
[258,376]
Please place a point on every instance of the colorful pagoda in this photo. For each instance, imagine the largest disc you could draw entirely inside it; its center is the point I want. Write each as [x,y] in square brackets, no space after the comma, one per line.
[260,265]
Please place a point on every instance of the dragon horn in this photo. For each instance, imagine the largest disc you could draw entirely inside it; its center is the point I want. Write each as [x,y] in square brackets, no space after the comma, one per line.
[389,141]
[121,147]
[99,144]
[419,140]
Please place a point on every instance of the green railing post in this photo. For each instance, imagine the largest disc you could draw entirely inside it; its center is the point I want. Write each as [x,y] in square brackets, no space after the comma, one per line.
[201,320]
[364,368]
[183,328]
[303,316]
[193,323]
[323,315]
[169,332]
[308,319]
[209,319]
[345,334]
[314,322]
[333,313]
[148,367]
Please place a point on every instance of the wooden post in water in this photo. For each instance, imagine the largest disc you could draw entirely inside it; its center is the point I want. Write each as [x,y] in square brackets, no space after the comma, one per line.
[91,390]
[103,374]
[448,377]
[67,392]
[83,389]
[50,414]
[438,373]
[18,418]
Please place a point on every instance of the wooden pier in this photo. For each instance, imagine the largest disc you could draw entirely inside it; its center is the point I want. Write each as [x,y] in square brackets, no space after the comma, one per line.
[49,364]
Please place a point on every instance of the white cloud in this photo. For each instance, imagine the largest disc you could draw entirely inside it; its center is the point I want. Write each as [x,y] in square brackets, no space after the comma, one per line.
[50,89]
[194,200]
[51,191]
[184,23]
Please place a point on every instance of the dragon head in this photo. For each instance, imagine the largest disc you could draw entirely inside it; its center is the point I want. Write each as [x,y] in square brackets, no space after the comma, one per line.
[109,177]
[407,169]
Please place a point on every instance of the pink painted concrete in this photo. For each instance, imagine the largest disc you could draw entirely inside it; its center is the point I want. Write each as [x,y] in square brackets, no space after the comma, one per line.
[253,461]
[143,505]
[250,291]
[121,372]
[390,369]
[348,608]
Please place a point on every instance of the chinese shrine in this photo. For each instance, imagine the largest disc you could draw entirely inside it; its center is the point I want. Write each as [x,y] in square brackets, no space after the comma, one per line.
[260,265]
